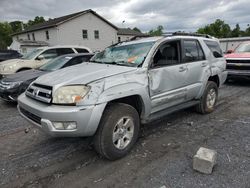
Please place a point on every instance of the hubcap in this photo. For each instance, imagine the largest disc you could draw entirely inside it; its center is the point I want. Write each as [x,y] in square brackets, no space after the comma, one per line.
[123,132]
[211,98]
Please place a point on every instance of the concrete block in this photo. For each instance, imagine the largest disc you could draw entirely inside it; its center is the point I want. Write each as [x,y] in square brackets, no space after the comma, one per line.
[204,160]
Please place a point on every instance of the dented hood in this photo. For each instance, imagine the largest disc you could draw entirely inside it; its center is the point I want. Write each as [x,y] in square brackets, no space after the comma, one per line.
[82,74]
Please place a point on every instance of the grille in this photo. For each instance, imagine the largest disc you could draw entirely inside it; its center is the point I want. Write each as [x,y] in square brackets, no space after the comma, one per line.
[40,92]
[4,85]
[238,64]
[31,116]
[238,60]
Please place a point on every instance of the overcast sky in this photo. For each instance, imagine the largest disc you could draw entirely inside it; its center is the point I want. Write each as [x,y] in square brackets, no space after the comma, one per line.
[144,14]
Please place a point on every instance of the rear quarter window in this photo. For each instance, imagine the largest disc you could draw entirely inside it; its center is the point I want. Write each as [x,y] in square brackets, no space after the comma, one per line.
[215,48]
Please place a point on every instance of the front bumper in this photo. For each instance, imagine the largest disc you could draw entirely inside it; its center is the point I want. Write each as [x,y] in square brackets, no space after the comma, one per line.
[238,73]
[10,95]
[43,115]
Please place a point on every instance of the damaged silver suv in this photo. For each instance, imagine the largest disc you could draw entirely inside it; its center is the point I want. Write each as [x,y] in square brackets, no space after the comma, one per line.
[128,84]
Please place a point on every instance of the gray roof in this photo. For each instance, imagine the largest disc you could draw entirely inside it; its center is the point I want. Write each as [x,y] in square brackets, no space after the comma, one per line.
[128,31]
[57,21]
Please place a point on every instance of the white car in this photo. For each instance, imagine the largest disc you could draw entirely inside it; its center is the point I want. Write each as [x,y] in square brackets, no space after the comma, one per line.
[37,58]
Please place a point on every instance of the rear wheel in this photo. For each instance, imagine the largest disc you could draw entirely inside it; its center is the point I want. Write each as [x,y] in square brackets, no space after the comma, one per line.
[209,98]
[118,131]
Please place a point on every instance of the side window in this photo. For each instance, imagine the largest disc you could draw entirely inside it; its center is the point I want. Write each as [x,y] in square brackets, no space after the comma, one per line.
[167,54]
[215,48]
[63,51]
[192,51]
[49,54]
[81,50]
[73,61]
[86,58]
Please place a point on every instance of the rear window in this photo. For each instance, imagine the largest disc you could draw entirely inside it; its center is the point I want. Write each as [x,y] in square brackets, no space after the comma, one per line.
[215,48]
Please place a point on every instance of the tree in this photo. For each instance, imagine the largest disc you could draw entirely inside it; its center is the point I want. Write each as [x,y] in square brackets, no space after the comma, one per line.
[5,32]
[37,20]
[217,29]
[156,32]
[16,26]
[136,29]
[236,32]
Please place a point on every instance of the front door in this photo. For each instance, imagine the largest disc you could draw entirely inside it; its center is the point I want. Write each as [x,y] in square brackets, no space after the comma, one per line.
[167,77]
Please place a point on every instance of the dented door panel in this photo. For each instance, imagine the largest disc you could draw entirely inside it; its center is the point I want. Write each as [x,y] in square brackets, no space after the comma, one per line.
[167,87]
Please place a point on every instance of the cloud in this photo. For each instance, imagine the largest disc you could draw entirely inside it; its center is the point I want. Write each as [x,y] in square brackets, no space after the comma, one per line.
[144,14]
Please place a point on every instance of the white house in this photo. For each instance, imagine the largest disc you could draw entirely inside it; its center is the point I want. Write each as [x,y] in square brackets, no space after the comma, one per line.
[85,28]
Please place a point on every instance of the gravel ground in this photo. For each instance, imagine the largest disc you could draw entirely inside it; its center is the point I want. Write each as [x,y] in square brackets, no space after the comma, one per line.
[162,156]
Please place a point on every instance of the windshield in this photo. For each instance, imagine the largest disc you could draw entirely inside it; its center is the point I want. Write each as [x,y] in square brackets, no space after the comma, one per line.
[242,48]
[125,55]
[32,54]
[55,64]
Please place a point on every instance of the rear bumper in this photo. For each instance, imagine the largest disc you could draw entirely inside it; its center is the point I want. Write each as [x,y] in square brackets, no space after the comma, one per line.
[43,116]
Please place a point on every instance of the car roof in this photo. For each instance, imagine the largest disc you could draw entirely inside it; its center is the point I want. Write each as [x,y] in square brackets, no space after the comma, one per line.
[76,55]
[163,38]
[63,46]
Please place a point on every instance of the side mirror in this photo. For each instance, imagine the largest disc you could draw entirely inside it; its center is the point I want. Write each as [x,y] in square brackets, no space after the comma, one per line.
[40,57]
[230,51]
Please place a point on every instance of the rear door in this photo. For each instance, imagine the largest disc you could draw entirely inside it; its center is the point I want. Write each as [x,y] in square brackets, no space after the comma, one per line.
[167,77]
[197,65]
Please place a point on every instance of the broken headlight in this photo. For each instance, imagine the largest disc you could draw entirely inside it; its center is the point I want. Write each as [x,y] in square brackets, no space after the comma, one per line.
[70,94]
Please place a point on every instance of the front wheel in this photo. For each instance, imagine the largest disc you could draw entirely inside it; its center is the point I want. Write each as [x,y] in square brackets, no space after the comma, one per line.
[208,99]
[118,131]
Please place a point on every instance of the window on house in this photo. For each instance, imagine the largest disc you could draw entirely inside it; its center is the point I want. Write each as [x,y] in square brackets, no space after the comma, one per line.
[119,39]
[84,34]
[28,36]
[96,32]
[47,35]
[33,36]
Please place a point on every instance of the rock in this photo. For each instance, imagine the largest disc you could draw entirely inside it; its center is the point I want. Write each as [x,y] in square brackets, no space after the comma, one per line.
[27,130]
[204,160]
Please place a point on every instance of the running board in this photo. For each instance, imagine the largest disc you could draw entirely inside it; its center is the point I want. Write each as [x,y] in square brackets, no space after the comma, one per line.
[160,114]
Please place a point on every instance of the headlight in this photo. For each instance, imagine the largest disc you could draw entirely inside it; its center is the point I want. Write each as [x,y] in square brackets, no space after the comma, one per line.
[14,84]
[70,94]
[8,67]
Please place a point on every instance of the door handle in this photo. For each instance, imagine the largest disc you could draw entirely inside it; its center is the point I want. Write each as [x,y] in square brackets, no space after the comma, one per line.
[204,64]
[182,69]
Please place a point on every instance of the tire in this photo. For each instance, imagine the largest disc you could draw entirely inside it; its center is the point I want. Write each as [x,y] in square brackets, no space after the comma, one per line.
[207,106]
[111,141]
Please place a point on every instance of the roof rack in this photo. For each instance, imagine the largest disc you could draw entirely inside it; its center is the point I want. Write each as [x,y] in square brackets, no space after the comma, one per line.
[179,33]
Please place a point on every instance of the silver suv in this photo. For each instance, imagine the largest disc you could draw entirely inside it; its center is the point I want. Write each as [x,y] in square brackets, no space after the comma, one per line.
[128,84]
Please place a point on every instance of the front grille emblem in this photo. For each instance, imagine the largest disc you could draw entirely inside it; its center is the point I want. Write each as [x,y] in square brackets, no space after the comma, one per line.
[35,92]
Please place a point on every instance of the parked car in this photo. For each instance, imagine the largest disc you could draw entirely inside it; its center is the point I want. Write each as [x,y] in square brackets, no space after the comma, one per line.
[9,54]
[13,85]
[125,85]
[37,58]
[238,61]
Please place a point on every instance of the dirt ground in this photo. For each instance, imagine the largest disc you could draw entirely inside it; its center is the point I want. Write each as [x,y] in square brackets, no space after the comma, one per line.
[162,156]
